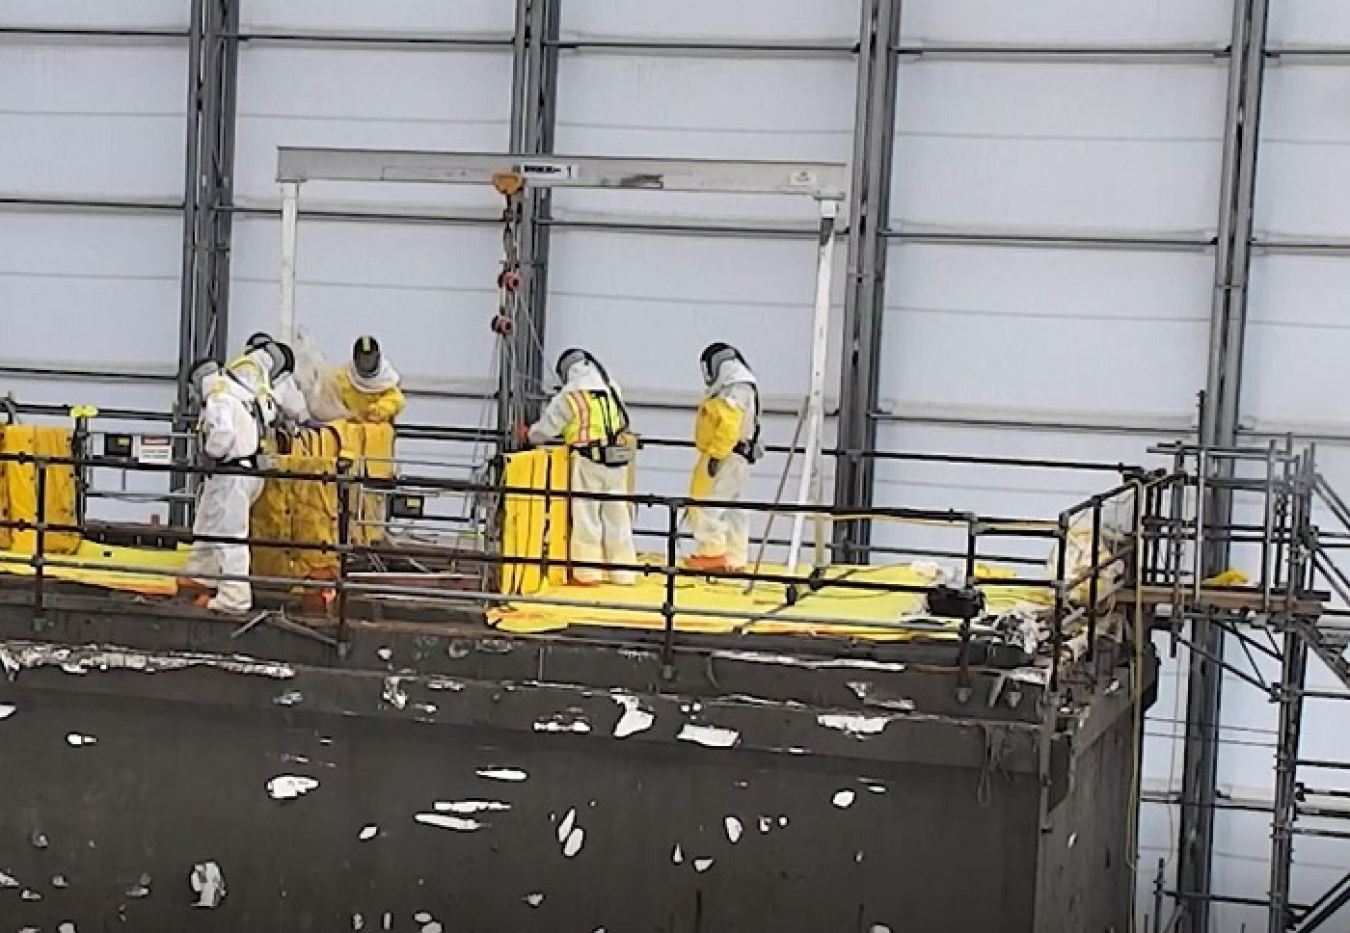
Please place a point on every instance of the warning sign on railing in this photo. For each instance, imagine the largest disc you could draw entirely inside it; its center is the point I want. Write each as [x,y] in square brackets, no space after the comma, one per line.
[153,449]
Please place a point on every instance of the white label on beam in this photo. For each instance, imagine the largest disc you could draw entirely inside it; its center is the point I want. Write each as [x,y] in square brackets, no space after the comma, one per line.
[544,173]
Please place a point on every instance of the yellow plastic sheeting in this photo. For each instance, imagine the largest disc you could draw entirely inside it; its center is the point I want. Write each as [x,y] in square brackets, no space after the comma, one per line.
[112,568]
[642,607]
[305,511]
[1005,597]
[20,484]
[535,526]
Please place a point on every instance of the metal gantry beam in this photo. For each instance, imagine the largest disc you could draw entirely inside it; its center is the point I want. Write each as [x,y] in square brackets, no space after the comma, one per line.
[1219,428]
[864,296]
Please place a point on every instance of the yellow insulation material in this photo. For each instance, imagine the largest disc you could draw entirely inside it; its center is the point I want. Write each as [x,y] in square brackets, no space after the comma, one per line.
[20,484]
[535,526]
[306,511]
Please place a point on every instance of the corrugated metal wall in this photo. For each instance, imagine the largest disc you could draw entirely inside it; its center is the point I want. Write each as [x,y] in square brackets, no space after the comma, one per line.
[1050,259]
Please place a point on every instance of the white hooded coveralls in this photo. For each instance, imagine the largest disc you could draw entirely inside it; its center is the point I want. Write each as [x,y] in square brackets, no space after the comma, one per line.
[721,531]
[229,432]
[602,532]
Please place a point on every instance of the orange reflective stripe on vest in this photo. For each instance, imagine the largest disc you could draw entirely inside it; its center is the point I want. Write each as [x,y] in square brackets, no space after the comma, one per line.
[596,419]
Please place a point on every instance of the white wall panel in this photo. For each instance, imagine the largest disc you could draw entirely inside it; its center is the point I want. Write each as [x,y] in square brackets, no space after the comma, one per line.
[624,105]
[1309,22]
[1067,22]
[1132,147]
[1305,137]
[428,292]
[90,291]
[1057,330]
[95,121]
[1297,328]
[458,17]
[97,13]
[755,20]
[453,100]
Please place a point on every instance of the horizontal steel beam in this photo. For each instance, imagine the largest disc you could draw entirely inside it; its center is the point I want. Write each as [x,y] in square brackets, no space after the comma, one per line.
[322,37]
[1309,246]
[1030,238]
[1186,54]
[102,34]
[1026,420]
[85,204]
[756,48]
[828,180]
[1309,54]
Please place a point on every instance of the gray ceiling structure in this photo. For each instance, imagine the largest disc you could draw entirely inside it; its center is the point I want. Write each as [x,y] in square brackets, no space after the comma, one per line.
[207,208]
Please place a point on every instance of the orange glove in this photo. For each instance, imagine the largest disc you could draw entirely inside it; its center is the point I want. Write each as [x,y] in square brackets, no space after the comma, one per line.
[523,433]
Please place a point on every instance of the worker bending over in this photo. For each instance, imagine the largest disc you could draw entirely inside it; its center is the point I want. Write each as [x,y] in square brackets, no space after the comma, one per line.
[368,385]
[589,415]
[726,434]
[231,427]
[267,366]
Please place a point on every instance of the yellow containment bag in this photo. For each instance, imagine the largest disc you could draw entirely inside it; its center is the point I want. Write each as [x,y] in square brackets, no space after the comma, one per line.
[535,527]
[19,499]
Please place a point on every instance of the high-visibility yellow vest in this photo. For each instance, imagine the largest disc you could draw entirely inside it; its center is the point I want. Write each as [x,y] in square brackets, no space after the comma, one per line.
[597,419]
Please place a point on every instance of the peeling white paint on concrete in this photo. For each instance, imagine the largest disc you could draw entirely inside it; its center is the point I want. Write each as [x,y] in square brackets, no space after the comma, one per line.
[441,683]
[710,736]
[29,895]
[858,856]
[575,840]
[782,821]
[427,708]
[208,882]
[535,899]
[457,823]
[18,655]
[879,928]
[702,864]
[565,827]
[58,881]
[388,920]
[560,723]
[634,718]
[1073,839]
[7,710]
[358,922]
[8,881]
[289,698]
[765,823]
[503,774]
[369,831]
[394,694]
[734,829]
[385,654]
[753,657]
[77,740]
[876,788]
[470,807]
[422,917]
[854,724]
[432,927]
[844,799]
[678,855]
[67,927]
[290,786]
[141,888]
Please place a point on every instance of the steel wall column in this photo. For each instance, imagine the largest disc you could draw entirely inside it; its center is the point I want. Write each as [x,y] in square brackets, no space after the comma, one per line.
[208,184]
[533,118]
[1219,428]
[868,219]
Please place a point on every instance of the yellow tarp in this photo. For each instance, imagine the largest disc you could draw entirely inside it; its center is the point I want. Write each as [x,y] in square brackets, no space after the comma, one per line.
[99,558]
[19,500]
[535,526]
[306,511]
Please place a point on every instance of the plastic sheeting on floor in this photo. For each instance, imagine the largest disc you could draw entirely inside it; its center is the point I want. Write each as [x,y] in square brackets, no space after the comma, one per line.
[96,563]
[853,612]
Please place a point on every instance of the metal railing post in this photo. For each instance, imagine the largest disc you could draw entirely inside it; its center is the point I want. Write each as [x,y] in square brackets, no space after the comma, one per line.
[40,547]
[344,537]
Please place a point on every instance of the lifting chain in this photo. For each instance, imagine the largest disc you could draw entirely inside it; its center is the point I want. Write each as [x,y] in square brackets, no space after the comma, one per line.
[510,186]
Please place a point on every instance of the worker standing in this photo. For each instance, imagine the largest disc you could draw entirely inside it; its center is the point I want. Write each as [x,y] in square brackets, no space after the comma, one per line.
[368,385]
[726,434]
[272,378]
[589,416]
[231,427]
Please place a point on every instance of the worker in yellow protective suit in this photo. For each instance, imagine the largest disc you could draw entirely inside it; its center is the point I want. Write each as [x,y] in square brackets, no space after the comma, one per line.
[368,385]
[231,427]
[726,434]
[589,416]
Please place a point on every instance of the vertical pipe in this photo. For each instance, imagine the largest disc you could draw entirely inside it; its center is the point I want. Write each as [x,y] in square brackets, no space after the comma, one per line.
[809,489]
[1096,571]
[1268,526]
[344,537]
[668,604]
[1057,629]
[290,235]
[1293,670]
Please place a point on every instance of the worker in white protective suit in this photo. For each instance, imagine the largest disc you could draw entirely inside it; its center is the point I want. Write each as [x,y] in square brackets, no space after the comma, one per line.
[589,416]
[726,434]
[267,366]
[231,427]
